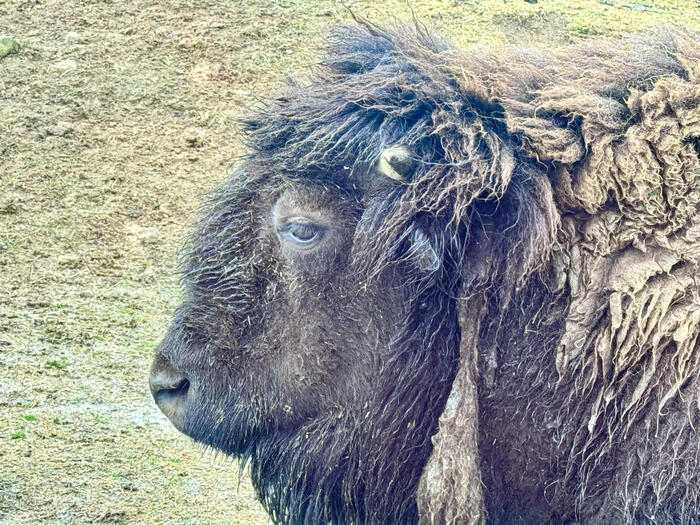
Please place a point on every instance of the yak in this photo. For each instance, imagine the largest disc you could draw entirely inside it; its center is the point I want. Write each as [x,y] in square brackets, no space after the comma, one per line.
[455,286]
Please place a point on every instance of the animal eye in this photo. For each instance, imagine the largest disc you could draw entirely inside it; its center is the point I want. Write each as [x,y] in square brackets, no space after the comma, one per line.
[303,234]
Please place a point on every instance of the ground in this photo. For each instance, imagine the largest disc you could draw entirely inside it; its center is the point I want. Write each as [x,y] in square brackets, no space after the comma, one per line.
[115,118]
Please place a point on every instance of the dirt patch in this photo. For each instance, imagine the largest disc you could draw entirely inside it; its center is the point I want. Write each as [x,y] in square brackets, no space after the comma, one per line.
[115,118]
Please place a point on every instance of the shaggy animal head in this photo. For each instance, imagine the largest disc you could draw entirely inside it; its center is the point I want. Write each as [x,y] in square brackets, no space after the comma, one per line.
[402,219]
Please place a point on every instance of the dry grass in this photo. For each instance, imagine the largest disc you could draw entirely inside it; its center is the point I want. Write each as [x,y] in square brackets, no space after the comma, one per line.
[114,118]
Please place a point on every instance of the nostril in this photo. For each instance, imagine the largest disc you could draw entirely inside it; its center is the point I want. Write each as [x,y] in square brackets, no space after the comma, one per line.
[170,388]
[164,394]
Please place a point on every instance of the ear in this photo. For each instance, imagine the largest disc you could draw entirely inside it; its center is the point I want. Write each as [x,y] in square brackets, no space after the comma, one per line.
[422,252]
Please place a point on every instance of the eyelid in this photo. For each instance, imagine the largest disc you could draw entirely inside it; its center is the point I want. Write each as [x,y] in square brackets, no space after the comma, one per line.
[286,231]
[286,221]
[294,225]
[315,219]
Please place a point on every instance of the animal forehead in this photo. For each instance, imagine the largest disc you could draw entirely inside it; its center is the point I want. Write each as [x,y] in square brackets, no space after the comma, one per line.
[316,202]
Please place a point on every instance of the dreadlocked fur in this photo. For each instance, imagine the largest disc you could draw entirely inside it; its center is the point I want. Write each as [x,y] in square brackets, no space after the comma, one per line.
[544,252]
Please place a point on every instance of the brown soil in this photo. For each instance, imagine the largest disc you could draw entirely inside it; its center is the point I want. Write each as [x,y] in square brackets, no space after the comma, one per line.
[115,118]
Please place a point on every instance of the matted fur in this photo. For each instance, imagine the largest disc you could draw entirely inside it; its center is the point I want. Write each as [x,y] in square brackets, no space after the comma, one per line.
[560,193]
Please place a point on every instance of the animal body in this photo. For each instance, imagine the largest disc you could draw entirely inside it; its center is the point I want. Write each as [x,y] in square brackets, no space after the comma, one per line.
[456,287]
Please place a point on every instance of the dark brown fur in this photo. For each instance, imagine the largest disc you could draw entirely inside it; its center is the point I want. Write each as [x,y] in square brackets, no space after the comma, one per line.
[551,222]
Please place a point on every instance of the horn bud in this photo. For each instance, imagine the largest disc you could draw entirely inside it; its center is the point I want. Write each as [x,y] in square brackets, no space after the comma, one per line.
[397,162]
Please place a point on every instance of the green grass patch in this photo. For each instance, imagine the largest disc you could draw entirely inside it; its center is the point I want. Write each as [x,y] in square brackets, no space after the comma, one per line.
[61,363]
